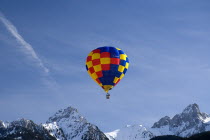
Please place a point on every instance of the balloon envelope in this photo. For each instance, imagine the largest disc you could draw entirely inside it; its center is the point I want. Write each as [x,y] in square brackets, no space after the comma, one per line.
[107,66]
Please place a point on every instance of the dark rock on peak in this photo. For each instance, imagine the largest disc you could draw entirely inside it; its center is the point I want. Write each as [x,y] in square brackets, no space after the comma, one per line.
[162,122]
[192,109]
[63,113]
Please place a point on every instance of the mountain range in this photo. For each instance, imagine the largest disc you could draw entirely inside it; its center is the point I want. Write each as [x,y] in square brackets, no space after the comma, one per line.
[66,124]
[69,124]
[191,121]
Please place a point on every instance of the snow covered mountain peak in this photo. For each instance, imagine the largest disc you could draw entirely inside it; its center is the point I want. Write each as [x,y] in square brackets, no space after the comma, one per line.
[185,124]
[69,113]
[192,109]
[191,116]
[69,124]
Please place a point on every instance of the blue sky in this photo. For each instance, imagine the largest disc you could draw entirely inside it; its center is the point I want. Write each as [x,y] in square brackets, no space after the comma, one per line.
[42,64]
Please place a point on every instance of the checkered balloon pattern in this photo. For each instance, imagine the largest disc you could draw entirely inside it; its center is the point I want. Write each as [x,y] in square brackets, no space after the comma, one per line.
[107,66]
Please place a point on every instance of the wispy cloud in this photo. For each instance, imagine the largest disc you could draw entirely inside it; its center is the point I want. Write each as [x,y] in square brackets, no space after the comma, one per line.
[27,48]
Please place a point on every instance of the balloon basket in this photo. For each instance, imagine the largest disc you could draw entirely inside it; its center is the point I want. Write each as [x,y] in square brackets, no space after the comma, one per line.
[107,96]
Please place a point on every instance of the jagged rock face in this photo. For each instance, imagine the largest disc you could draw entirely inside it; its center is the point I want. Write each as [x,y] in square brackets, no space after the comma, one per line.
[94,133]
[162,122]
[23,130]
[68,124]
[191,115]
[185,124]
[68,113]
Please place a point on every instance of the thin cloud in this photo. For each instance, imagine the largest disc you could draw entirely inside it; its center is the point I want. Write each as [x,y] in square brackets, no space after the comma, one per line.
[28,49]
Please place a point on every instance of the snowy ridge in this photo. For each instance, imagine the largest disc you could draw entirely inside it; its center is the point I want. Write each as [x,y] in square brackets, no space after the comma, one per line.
[130,132]
[68,124]
[191,121]
[54,130]
[112,135]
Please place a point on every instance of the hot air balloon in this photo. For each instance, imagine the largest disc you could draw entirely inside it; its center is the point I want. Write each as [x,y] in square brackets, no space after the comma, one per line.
[107,66]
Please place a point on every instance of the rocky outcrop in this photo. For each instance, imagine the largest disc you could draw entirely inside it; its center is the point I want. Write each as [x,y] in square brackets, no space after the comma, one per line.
[23,130]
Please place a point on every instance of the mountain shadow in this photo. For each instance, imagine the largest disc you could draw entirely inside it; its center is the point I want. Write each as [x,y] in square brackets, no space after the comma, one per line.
[200,136]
